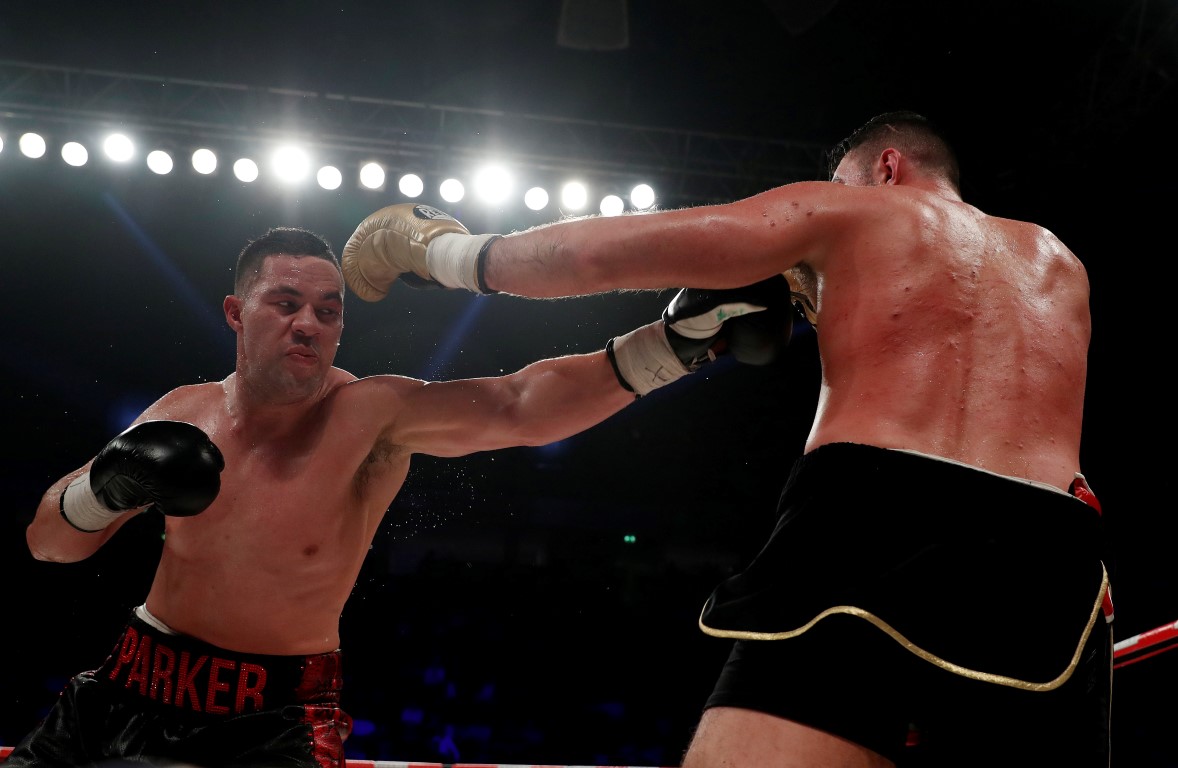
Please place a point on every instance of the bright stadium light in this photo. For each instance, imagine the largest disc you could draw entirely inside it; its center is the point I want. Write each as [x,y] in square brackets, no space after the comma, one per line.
[372,175]
[291,164]
[329,177]
[452,190]
[642,197]
[492,184]
[1,143]
[204,161]
[245,170]
[32,145]
[574,196]
[536,198]
[74,153]
[496,183]
[118,147]
[612,205]
[159,161]
[411,185]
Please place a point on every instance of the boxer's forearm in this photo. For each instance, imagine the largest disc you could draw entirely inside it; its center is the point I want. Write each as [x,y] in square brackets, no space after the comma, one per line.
[587,256]
[696,247]
[51,538]
[576,258]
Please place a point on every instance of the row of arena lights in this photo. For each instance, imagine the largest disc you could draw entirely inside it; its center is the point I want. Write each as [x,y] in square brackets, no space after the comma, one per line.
[291,164]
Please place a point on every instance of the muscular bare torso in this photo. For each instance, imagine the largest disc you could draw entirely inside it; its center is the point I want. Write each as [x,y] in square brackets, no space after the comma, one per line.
[950,332]
[268,566]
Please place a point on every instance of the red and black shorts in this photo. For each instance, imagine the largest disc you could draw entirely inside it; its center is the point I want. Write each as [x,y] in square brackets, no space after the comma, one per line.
[168,698]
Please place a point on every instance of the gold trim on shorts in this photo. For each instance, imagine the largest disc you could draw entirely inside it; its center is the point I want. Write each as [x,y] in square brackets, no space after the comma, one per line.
[932,658]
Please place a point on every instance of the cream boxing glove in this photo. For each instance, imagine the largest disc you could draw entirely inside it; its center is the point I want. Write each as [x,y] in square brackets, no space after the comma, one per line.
[418,244]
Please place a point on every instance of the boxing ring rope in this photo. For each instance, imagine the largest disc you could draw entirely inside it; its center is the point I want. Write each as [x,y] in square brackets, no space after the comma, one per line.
[1125,652]
[399,764]
[394,764]
[1146,645]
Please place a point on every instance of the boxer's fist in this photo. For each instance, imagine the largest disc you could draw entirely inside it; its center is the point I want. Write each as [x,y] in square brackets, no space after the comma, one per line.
[803,294]
[391,244]
[171,465]
[753,322]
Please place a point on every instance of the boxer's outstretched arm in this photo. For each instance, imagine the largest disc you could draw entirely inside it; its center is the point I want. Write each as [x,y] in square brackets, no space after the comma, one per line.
[714,246]
[542,403]
[698,247]
[555,398]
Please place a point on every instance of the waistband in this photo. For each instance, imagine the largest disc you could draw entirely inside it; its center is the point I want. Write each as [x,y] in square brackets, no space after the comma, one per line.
[185,673]
[908,480]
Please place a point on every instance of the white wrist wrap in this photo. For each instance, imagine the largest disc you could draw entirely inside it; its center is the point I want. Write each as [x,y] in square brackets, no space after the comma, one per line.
[82,509]
[644,359]
[453,260]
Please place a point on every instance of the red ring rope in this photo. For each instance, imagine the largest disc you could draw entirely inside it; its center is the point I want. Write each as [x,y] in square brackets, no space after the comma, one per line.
[1146,645]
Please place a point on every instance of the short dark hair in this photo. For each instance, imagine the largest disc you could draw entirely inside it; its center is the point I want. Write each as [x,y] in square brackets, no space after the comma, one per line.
[912,133]
[284,241]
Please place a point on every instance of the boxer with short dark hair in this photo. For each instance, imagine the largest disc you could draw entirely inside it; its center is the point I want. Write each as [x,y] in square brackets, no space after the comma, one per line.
[935,573]
[273,483]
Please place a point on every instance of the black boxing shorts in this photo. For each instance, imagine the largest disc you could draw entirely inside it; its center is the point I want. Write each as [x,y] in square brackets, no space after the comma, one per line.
[930,611]
[171,699]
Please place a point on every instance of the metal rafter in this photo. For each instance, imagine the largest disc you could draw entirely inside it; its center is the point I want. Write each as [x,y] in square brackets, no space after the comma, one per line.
[690,167]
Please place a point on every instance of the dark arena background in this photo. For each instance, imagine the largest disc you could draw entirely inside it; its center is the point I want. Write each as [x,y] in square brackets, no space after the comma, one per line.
[539,605]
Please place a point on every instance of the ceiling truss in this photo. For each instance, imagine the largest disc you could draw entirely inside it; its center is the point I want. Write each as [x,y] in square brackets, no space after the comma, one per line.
[688,167]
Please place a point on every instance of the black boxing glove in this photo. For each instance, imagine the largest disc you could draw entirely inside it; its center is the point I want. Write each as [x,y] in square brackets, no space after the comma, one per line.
[753,323]
[171,466]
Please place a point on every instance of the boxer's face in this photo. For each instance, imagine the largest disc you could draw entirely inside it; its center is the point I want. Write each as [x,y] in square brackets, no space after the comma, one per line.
[289,325]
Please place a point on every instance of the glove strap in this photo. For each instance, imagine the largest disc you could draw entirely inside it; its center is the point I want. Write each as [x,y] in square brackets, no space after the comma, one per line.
[643,359]
[456,260]
[82,509]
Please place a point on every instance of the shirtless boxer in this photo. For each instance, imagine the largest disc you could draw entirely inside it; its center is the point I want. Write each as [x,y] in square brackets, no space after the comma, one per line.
[933,590]
[273,483]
